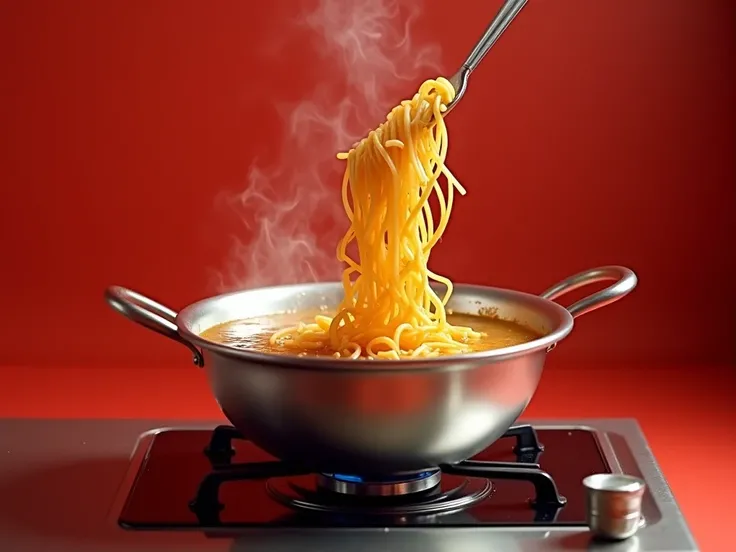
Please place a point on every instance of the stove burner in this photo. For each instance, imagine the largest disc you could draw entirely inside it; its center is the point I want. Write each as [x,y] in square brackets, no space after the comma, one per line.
[431,501]
[385,486]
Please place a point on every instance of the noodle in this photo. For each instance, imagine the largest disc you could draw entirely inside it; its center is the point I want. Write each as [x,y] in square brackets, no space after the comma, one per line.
[389,310]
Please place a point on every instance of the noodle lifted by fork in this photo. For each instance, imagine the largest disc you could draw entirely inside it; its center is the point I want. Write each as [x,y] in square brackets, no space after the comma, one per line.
[389,309]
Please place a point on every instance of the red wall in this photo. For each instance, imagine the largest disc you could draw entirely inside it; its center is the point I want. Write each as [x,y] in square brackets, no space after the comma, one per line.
[596,132]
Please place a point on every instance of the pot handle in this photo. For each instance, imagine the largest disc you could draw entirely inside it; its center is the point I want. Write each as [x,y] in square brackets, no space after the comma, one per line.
[149,313]
[625,282]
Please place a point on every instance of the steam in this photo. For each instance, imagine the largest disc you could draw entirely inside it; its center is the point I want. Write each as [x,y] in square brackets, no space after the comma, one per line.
[292,212]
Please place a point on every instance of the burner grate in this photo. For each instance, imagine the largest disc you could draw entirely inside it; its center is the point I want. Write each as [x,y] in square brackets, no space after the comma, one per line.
[371,496]
[220,449]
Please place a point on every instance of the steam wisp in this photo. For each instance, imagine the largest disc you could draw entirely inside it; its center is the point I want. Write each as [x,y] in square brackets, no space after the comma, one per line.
[292,210]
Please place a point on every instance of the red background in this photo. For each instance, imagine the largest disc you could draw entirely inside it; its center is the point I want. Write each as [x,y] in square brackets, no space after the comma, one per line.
[594,133]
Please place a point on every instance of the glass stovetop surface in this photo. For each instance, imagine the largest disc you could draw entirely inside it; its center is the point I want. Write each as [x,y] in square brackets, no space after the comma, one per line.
[175,464]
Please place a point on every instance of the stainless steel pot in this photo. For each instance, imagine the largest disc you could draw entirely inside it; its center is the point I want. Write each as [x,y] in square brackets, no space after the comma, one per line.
[373,417]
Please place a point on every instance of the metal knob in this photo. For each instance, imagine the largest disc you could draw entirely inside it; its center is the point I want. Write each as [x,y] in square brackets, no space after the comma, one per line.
[614,505]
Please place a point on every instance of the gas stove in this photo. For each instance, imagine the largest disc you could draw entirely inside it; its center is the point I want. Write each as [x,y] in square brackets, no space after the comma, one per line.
[147,485]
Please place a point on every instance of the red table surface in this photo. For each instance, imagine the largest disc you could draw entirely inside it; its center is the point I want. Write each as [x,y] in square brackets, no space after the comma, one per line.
[685,412]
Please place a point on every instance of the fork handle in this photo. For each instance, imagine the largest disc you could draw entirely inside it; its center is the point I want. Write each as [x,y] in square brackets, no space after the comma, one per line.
[503,19]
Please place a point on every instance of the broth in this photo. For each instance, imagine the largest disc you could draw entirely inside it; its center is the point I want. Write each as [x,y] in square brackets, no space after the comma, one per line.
[254,333]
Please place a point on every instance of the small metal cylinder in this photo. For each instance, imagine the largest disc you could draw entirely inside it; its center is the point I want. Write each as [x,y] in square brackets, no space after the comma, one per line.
[614,505]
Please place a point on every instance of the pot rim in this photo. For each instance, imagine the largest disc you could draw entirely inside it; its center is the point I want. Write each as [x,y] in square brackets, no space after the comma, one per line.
[157,317]
[187,317]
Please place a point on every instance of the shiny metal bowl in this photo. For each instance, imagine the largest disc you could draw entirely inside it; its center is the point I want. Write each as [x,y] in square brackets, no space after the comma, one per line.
[373,416]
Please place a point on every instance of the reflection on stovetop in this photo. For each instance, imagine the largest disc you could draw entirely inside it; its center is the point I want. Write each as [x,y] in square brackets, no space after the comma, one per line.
[216,480]
[423,540]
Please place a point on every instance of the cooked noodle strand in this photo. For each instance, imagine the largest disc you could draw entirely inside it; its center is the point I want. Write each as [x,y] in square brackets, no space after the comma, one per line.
[389,310]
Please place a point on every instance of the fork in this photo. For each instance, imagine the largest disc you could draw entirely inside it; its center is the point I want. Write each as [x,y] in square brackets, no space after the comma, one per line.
[503,19]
